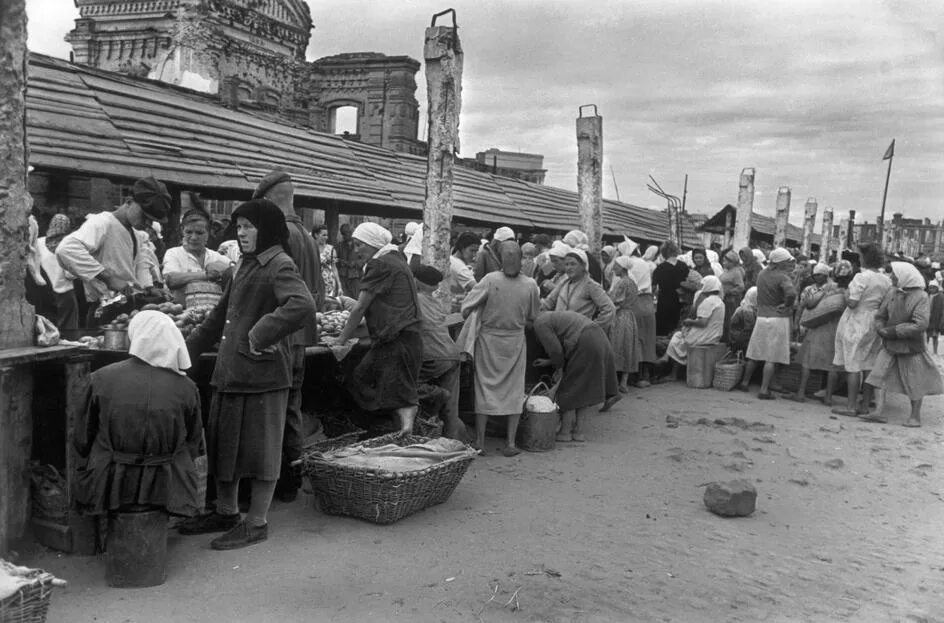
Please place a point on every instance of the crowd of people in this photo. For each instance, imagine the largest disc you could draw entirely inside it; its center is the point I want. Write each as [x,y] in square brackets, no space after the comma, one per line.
[602,325]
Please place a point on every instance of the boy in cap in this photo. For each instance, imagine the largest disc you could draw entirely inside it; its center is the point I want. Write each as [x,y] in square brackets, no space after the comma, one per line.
[438,386]
[277,187]
[104,252]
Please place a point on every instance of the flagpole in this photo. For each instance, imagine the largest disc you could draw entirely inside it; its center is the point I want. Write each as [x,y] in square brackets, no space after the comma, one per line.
[881,219]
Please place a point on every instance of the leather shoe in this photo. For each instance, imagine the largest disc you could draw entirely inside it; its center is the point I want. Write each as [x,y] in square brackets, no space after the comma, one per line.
[208,522]
[240,536]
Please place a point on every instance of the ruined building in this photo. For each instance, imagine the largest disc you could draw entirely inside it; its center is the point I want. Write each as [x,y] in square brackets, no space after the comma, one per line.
[251,55]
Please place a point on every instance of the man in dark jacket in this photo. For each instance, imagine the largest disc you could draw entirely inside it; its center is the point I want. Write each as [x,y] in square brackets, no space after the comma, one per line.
[277,187]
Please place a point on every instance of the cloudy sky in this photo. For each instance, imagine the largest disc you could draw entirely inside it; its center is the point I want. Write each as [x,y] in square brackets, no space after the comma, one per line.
[810,93]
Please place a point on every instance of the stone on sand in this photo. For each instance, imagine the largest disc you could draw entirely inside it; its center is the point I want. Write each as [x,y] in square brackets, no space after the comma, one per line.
[735,498]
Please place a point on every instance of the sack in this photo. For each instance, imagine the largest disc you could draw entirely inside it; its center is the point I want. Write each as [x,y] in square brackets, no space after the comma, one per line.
[49,493]
[46,332]
[830,307]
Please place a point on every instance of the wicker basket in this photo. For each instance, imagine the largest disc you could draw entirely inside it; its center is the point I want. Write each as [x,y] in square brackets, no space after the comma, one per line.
[198,293]
[428,427]
[381,496]
[30,603]
[334,443]
[728,372]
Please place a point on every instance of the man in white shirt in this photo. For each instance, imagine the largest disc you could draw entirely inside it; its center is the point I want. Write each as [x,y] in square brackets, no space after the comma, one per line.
[104,252]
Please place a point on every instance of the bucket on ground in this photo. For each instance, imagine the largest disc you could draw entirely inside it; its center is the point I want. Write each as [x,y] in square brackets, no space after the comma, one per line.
[701,364]
[537,431]
[136,548]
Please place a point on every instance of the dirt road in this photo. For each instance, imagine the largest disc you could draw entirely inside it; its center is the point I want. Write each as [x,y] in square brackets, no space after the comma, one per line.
[848,528]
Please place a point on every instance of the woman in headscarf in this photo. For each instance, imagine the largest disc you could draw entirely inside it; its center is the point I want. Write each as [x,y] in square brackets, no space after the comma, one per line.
[528,251]
[818,347]
[705,325]
[608,257]
[548,280]
[141,430]
[263,305]
[857,342]
[623,333]
[903,366]
[732,282]
[751,267]
[580,293]
[579,349]
[576,239]
[387,377]
[667,278]
[488,259]
[742,321]
[644,312]
[700,262]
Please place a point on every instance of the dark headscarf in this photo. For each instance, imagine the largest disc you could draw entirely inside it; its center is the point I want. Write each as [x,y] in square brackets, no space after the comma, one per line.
[268,219]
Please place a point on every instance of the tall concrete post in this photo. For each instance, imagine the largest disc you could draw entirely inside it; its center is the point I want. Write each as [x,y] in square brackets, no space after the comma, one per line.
[850,234]
[826,244]
[782,217]
[745,209]
[728,229]
[809,220]
[843,234]
[590,177]
[443,56]
[16,315]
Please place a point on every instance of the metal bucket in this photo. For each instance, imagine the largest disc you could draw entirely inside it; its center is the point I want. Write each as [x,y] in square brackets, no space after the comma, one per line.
[136,549]
[116,339]
[537,431]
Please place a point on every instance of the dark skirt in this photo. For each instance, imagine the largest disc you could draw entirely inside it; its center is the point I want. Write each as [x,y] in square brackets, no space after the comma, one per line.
[244,435]
[645,312]
[589,372]
[387,376]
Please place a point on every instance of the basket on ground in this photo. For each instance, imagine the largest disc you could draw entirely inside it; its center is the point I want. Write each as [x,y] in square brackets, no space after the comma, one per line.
[30,602]
[378,495]
[728,372]
[428,427]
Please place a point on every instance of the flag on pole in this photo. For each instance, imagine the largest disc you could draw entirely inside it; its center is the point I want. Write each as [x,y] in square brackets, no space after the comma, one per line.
[890,151]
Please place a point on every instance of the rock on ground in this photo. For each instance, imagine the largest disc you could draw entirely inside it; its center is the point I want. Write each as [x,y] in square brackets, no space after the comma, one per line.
[735,498]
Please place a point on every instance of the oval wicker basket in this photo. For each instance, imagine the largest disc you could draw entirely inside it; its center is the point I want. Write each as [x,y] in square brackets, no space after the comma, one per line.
[202,293]
[30,603]
[728,372]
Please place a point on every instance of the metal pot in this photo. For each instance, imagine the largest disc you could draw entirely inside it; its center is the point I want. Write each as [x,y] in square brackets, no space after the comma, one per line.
[116,339]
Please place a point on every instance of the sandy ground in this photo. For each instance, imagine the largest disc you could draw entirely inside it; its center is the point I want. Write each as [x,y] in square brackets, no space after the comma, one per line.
[848,528]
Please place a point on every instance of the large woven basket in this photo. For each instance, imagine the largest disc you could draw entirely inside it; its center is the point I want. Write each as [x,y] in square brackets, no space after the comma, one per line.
[381,496]
[428,427]
[198,293]
[728,372]
[30,603]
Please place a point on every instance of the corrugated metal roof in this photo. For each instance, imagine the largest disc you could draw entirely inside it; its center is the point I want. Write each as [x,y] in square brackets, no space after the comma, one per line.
[760,224]
[105,124]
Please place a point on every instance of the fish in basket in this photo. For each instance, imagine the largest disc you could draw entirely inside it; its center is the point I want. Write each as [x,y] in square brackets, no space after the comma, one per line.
[384,479]
[25,593]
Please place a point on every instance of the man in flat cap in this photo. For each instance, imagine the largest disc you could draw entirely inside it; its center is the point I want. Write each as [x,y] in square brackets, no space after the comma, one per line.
[104,252]
[277,187]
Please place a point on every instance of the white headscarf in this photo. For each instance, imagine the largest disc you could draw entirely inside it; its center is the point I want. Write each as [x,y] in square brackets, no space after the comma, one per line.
[576,238]
[710,284]
[579,254]
[641,272]
[821,269]
[908,276]
[375,236]
[415,245]
[156,341]
[651,252]
[779,255]
[609,250]
[558,249]
[410,228]
[749,302]
[504,234]
[759,256]
[628,246]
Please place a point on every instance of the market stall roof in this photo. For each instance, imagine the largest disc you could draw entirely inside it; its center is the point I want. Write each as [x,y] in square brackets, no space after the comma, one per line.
[763,227]
[100,123]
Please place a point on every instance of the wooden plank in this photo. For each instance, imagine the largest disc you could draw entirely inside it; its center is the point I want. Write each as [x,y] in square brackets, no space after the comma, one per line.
[35,354]
[16,441]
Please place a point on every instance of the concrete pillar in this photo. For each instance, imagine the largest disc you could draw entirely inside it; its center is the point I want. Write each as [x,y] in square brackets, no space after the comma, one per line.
[443,55]
[939,238]
[782,217]
[843,235]
[850,235]
[745,209]
[16,315]
[809,219]
[590,178]
[825,248]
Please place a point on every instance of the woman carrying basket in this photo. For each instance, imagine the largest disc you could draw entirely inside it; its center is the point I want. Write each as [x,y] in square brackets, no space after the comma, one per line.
[580,349]
[193,262]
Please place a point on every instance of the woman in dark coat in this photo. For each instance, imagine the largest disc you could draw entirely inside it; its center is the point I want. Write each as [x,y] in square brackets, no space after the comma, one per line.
[668,277]
[387,377]
[264,304]
[580,349]
[142,429]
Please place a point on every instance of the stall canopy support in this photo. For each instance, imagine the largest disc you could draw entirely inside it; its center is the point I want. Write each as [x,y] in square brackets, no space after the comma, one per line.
[745,209]
[590,176]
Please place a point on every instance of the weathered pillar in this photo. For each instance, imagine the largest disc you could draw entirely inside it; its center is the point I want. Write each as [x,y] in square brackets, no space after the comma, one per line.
[809,220]
[443,55]
[826,244]
[728,229]
[16,315]
[939,238]
[590,178]
[782,216]
[843,235]
[745,209]
[850,234]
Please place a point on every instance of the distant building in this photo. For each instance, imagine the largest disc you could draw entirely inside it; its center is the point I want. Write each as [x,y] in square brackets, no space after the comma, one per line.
[912,236]
[516,165]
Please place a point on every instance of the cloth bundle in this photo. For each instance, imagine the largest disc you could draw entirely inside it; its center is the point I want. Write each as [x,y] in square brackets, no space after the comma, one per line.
[394,458]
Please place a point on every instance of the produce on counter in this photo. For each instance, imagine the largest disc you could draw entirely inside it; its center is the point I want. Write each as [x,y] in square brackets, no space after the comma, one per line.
[185,319]
[332,322]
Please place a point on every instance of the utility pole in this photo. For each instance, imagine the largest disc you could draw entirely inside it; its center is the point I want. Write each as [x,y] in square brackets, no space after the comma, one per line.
[590,177]
[443,55]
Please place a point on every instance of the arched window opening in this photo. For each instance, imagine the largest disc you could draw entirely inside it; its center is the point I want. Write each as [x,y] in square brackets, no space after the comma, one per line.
[344,120]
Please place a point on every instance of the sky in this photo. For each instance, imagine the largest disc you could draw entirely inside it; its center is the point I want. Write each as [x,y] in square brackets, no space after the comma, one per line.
[809,93]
